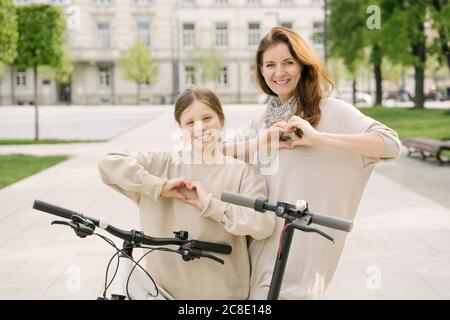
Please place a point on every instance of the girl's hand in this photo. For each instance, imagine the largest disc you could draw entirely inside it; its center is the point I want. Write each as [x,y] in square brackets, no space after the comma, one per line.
[202,195]
[172,186]
[309,135]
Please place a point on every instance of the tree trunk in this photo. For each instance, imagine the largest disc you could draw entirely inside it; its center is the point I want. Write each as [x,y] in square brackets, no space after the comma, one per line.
[354,91]
[376,53]
[36,110]
[138,93]
[378,85]
[13,93]
[418,50]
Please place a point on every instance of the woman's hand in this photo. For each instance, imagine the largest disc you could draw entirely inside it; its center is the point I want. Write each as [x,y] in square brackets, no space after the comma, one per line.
[172,186]
[309,135]
[271,138]
[202,195]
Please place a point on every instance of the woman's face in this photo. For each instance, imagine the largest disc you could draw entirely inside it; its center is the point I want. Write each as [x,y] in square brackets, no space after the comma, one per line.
[280,70]
[201,122]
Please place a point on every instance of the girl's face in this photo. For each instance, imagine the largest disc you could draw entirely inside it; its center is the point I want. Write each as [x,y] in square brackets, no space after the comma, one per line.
[280,70]
[201,122]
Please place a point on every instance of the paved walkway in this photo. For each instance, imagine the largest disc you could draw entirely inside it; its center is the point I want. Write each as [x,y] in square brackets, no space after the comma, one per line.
[399,248]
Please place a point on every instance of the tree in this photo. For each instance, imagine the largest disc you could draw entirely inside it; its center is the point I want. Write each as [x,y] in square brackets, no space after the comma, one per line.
[346,35]
[407,42]
[441,22]
[8,33]
[41,41]
[211,64]
[138,65]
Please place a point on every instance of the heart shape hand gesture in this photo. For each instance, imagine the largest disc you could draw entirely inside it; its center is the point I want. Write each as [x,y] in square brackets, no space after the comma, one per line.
[172,187]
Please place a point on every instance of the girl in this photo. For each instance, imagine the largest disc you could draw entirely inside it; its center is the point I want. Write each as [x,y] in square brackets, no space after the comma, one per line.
[177,195]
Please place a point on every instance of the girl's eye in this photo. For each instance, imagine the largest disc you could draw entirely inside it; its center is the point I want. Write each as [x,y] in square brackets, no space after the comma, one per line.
[207,118]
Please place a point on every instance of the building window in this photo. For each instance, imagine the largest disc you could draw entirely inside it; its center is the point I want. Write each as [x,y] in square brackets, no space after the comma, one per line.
[21,78]
[287,24]
[102,2]
[103,37]
[286,2]
[253,2]
[142,2]
[221,2]
[221,34]
[254,34]
[223,76]
[21,1]
[189,75]
[188,34]
[144,33]
[104,76]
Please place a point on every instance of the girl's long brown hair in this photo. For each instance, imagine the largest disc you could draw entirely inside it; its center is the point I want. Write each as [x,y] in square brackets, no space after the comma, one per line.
[315,81]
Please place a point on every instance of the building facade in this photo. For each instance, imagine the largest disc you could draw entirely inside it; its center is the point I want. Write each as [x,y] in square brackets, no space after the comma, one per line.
[177,33]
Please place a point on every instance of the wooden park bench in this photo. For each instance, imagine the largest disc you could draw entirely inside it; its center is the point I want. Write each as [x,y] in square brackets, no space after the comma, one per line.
[427,148]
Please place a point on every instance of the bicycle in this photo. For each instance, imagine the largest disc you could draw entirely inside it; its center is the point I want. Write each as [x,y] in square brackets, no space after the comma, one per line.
[296,216]
[128,281]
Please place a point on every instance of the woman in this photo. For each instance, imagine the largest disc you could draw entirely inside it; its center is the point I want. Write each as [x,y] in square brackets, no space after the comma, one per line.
[181,192]
[327,154]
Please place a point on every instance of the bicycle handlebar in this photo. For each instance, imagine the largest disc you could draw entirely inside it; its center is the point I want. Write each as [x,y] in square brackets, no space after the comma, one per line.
[261,204]
[131,236]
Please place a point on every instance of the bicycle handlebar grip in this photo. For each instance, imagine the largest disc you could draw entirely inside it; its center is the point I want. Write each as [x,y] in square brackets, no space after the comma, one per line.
[213,247]
[332,222]
[55,210]
[238,199]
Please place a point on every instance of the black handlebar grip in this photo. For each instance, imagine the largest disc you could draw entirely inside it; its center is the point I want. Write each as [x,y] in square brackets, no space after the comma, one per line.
[55,210]
[238,199]
[332,222]
[212,247]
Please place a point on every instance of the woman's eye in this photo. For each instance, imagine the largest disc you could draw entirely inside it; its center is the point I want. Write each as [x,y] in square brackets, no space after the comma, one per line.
[190,123]
[269,65]
[207,118]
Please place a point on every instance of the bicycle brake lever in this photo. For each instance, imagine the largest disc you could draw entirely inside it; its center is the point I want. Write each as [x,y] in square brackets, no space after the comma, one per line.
[65,223]
[190,254]
[210,256]
[81,230]
[323,234]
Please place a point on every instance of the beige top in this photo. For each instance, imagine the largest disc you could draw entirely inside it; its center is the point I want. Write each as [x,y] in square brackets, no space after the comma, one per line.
[332,182]
[141,176]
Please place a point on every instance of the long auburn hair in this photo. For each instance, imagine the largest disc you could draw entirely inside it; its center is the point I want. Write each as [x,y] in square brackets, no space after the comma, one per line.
[315,81]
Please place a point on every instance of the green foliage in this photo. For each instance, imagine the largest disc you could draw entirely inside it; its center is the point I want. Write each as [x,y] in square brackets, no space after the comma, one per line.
[63,72]
[211,63]
[8,32]
[346,32]
[41,36]
[15,167]
[137,64]
[412,122]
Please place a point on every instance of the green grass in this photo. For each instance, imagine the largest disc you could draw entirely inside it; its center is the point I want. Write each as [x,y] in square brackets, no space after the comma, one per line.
[411,122]
[44,141]
[15,167]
